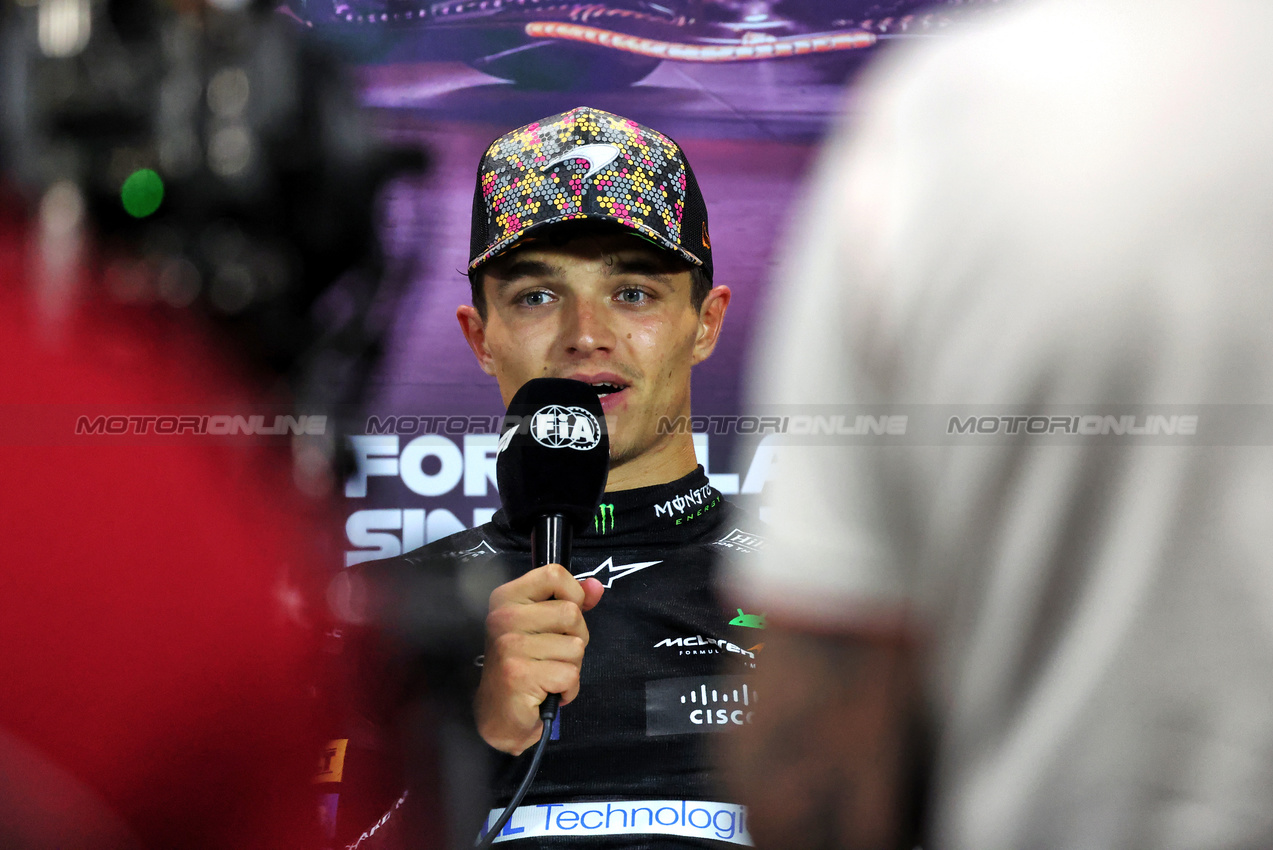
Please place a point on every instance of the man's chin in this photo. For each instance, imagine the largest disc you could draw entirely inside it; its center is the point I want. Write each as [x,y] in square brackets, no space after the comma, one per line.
[623,452]
[621,457]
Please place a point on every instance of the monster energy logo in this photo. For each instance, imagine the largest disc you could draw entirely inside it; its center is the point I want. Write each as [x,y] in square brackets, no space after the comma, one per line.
[603,519]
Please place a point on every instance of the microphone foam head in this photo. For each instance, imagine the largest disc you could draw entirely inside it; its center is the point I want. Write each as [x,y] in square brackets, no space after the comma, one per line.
[554,453]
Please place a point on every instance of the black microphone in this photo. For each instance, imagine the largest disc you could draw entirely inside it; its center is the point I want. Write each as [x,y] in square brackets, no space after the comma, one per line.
[554,456]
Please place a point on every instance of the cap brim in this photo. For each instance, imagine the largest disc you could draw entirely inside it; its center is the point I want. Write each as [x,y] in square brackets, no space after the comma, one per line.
[640,229]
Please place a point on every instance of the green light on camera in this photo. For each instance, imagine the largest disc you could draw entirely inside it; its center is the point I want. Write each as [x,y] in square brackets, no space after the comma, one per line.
[142,193]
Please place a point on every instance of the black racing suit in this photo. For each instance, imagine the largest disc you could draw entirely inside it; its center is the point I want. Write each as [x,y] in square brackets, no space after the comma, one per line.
[666,665]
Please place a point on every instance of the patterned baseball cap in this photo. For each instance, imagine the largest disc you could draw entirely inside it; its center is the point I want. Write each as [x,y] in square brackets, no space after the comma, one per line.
[588,164]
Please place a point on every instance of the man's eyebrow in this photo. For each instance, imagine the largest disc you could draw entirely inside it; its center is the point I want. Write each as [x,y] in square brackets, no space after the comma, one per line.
[640,264]
[520,269]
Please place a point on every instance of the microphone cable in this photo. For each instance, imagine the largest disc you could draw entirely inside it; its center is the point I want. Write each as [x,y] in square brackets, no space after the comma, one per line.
[547,713]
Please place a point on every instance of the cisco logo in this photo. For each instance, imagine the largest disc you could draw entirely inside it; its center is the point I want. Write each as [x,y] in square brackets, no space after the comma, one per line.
[694,704]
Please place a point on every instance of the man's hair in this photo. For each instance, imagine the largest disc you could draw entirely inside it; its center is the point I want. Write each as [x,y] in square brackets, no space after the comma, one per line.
[700,283]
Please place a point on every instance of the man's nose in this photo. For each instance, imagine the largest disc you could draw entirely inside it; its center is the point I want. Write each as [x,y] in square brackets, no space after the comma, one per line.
[587,328]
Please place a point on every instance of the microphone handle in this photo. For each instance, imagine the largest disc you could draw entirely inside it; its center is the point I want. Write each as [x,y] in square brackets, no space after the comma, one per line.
[550,540]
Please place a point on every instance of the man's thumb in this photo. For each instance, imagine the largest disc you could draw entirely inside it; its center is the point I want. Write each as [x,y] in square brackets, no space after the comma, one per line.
[592,590]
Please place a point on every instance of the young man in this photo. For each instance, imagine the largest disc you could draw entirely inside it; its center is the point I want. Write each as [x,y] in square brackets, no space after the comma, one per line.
[591,260]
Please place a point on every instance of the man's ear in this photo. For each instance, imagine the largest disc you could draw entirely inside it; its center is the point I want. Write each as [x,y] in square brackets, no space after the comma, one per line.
[474,329]
[711,316]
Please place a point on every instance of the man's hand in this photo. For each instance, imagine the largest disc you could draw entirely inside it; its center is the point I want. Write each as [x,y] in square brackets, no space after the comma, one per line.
[535,638]
[825,761]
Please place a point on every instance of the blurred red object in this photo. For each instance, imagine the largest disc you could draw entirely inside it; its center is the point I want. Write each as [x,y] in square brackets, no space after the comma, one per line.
[157,648]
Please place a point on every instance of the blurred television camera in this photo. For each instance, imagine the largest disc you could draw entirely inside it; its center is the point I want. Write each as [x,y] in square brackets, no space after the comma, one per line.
[222,152]
[204,164]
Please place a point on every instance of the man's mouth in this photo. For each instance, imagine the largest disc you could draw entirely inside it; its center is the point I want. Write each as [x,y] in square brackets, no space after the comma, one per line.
[610,387]
[604,388]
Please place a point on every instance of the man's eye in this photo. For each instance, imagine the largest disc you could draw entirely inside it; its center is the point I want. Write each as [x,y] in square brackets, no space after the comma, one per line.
[633,296]
[535,299]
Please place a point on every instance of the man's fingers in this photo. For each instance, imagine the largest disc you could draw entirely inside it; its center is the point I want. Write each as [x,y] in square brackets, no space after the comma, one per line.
[507,703]
[535,641]
[551,617]
[532,682]
[559,677]
[592,590]
[528,649]
[552,581]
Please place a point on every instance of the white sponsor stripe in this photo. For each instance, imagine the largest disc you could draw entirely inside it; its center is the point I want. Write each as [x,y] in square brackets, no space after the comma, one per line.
[687,818]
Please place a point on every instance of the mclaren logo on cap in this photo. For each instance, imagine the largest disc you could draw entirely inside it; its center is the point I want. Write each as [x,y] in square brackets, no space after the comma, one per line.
[565,428]
[597,157]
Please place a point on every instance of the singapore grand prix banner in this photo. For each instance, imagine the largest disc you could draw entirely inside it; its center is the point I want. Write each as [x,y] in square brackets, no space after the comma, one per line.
[746,87]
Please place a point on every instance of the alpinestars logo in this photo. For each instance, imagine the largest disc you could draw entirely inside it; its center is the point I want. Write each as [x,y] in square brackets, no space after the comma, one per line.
[603,519]
[560,427]
[597,156]
[481,550]
[607,573]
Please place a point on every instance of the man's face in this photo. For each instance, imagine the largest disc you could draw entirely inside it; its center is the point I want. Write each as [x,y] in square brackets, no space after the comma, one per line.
[608,309]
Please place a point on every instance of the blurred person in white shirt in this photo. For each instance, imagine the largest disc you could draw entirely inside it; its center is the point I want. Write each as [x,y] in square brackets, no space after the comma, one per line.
[1065,211]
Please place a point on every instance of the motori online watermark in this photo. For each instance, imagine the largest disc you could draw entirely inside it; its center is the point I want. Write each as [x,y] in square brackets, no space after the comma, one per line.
[217,425]
[935,424]
[767,426]
[796,425]
[434,423]
[1088,425]
[918,424]
[910,424]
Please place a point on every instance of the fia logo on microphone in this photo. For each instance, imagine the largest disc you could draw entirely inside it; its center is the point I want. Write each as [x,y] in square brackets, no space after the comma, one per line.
[560,427]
